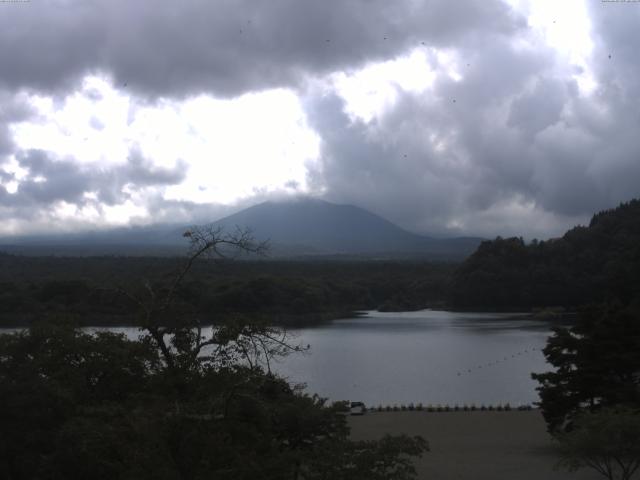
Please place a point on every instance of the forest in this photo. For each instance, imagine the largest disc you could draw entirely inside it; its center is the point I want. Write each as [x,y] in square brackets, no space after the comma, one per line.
[588,264]
[287,292]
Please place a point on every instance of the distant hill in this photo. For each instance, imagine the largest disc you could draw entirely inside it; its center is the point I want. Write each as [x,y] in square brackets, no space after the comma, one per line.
[588,264]
[294,228]
[151,240]
[315,227]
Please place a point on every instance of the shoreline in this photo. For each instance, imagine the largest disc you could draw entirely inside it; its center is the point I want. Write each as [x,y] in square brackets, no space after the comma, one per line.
[285,320]
[289,320]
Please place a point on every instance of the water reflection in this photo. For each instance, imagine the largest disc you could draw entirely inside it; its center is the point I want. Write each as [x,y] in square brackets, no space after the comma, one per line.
[427,356]
[423,320]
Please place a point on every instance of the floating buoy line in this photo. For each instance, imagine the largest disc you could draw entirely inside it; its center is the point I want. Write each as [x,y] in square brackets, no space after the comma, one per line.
[495,363]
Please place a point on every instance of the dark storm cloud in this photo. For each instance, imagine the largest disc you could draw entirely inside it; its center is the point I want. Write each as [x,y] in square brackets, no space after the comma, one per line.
[434,156]
[186,212]
[615,33]
[139,171]
[6,176]
[6,142]
[613,119]
[50,180]
[13,108]
[516,141]
[534,111]
[591,160]
[225,47]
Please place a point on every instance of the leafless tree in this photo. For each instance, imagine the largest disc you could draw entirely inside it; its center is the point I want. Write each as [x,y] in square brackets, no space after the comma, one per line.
[181,339]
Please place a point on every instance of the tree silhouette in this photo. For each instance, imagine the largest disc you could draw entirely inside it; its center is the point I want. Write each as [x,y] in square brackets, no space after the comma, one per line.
[597,365]
[180,403]
[607,441]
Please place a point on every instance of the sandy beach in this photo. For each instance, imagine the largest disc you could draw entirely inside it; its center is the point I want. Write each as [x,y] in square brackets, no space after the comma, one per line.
[474,445]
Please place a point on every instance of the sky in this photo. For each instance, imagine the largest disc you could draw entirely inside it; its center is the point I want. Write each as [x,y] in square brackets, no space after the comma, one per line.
[500,117]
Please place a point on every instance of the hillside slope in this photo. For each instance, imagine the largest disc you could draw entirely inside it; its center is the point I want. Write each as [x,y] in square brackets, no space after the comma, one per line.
[588,264]
[309,226]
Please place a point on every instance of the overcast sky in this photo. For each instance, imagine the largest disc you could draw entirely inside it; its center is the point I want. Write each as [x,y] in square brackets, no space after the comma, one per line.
[493,117]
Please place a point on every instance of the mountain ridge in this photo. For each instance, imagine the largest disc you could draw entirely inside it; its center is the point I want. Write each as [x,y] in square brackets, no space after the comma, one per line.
[328,228]
[296,227]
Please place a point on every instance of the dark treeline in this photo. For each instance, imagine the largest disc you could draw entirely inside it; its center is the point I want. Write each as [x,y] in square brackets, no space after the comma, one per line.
[91,288]
[587,265]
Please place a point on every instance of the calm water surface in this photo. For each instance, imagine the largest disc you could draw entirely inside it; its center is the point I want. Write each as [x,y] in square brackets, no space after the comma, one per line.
[426,356]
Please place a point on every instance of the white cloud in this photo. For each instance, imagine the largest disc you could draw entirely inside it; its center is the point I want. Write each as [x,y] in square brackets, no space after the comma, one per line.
[564,26]
[257,141]
[369,92]
[232,147]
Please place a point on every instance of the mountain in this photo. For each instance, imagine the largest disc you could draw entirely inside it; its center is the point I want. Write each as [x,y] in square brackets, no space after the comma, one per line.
[587,264]
[294,228]
[311,226]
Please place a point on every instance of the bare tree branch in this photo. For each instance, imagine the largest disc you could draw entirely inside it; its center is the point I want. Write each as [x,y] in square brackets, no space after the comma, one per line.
[188,345]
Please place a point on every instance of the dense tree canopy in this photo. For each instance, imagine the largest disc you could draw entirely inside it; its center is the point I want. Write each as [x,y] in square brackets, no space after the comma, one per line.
[607,441]
[588,264]
[597,364]
[284,292]
[74,405]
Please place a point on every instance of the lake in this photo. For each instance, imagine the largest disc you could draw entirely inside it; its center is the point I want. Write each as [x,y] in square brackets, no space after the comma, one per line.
[428,356]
